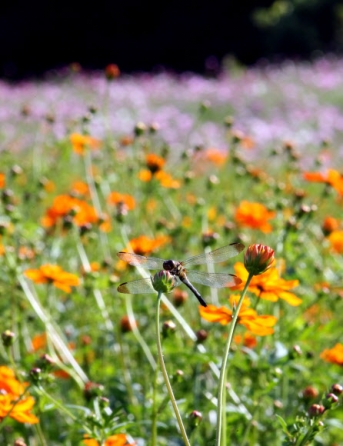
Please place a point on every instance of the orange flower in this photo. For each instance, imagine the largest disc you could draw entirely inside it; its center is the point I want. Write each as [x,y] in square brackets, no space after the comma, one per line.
[336,241]
[248,340]
[2,180]
[259,325]
[154,162]
[163,177]
[126,200]
[113,440]
[329,225]
[254,215]
[79,211]
[167,180]
[145,175]
[10,392]
[79,188]
[53,274]
[81,142]
[269,286]
[38,342]
[316,314]
[126,140]
[25,253]
[215,156]
[48,185]
[333,355]
[241,138]
[144,245]
[332,178]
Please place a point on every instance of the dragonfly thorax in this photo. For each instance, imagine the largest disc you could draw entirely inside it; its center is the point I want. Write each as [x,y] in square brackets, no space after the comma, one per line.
[171,265]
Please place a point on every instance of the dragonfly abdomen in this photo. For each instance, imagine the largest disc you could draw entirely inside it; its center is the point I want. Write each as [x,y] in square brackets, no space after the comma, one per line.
[194,290]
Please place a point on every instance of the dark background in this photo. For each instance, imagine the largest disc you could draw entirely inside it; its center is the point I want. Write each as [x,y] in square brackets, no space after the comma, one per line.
[177,35]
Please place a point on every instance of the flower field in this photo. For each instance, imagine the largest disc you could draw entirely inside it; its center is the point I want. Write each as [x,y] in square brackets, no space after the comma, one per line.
[243,171]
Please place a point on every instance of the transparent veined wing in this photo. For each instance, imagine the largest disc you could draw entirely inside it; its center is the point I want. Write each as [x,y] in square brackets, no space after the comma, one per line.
[214,280]
[140,286]
[137,260]
[218,255]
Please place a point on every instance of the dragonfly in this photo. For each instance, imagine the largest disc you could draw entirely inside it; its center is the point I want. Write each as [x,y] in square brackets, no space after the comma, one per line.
[181,273]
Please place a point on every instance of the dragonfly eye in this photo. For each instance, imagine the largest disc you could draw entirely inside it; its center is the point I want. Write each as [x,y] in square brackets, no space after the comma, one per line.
[168,265]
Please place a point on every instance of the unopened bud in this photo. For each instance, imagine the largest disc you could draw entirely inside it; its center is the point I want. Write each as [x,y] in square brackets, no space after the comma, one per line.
[310,393]
[163,281]
[7,338]
[168,327]
[316,410]
[195,417]
[112,71]
[140,129]
[45,362]
[337,389]
[201,335]
[330,400]
[35,375]
[179,297]
[92,390]
[19,442]
[126,324]
[258,259]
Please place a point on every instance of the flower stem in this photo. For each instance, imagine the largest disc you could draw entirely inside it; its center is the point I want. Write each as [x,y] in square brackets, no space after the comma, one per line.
[221,412]
[165,374]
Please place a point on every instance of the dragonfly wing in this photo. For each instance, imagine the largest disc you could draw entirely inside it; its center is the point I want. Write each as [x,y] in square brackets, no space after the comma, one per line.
[137,260]
[218,255]
[214,280]
[140,286]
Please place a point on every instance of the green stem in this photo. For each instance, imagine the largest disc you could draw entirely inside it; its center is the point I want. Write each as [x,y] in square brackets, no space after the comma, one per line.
[39,432]
[154,412]
[165,374]
[221,412]
[305,440]
[62,408]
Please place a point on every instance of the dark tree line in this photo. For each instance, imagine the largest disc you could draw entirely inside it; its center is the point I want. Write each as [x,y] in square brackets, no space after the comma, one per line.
[145,35]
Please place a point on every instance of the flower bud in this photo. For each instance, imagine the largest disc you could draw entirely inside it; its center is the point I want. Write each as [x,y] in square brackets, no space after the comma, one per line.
[201,335]
[337,389]
[310,393]
[104,402]
[330,400]
[7,338]
[45,362]
[112,71]
[258,259]
[315,410]
[163,281]
[16,170]
[228,121]
[154,127]
[168,328]
[92,390]
[126,324]
[195,417]
[209,238]
[179,297]
[139,129]
[19,442]
[35,375]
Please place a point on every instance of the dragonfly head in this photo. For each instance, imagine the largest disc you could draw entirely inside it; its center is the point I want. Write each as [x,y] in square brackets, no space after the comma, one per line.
[169,265]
